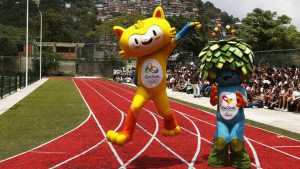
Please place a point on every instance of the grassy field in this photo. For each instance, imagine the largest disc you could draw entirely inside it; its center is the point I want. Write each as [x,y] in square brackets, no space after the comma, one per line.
[51,110]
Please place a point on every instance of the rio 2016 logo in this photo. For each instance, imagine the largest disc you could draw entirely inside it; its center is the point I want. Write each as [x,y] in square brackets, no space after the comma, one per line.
[228,109]
[151,68]
[152,73]
[226,99]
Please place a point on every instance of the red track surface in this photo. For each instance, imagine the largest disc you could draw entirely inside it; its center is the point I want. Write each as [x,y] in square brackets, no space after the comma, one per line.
[86,147]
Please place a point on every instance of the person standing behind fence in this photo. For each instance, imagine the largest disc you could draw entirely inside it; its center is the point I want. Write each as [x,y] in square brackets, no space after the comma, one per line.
[194,82]
[114,74]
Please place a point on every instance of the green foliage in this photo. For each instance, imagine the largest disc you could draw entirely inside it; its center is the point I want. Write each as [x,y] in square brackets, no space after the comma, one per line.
[7,47]
[56,29]
[266,30]
[50,63]
[14,14]
[105,28]
[230,53]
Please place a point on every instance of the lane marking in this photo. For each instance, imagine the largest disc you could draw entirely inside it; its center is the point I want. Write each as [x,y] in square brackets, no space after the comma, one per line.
[208,112]
[298,158]
[91,148]
[48,152]
[152,136]
[191,164]
[258,166]
[102,130]
[78,155]
[254,152]
[287,146]
[49,141]
[178,156]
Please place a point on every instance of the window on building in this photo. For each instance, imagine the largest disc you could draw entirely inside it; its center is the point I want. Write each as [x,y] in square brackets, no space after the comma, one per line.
[65,49]
[21,48]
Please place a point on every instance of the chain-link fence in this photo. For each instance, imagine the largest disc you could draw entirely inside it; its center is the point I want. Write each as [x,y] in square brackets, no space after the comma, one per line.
[278,58]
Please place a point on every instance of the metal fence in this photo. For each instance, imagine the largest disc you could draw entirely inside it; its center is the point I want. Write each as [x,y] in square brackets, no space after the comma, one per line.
[278,58]
[10,82]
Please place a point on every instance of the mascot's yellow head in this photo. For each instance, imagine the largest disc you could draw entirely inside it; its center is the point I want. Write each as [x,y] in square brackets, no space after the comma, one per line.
[146,36]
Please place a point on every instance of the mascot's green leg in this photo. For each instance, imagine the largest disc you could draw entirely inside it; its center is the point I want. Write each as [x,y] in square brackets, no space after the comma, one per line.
[219,154]
[239,157]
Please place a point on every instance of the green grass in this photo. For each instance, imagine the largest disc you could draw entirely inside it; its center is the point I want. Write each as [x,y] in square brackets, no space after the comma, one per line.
[50,111]
[249,122]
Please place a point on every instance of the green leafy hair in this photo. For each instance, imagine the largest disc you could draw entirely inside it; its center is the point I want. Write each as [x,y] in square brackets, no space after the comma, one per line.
[230,54]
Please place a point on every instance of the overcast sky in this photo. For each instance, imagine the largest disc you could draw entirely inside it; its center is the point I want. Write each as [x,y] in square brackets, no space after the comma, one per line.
[240,8]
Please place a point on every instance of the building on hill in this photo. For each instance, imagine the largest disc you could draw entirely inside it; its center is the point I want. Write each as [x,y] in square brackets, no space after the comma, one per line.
[67,50]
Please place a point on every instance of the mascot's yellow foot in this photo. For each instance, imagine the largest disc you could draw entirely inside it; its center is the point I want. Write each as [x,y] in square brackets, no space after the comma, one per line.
[171,133]
[117,138]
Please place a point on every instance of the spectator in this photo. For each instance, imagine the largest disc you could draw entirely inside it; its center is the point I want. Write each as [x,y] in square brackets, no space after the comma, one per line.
[195,83]
[286,99]
[258,98]
[294,102]
[273,101]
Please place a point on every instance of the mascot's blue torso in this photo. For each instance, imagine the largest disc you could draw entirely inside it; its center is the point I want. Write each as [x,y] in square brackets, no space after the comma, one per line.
[230,117]
[227,111]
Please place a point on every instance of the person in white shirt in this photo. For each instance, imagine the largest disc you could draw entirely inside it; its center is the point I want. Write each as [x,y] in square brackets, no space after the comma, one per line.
[295,100]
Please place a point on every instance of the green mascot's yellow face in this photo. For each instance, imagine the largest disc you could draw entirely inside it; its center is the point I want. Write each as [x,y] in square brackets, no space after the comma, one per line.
[144,37]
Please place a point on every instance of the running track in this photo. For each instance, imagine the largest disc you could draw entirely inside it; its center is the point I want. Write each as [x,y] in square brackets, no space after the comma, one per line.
[86,147]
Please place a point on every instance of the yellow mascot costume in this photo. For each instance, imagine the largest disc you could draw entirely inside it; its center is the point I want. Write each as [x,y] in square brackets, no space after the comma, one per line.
[151,41]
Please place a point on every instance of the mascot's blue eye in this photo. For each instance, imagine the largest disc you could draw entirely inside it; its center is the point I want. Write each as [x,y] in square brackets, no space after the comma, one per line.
[136,41]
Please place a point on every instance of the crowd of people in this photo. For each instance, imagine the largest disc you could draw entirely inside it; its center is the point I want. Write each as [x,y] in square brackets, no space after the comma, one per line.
[274,88]
[123,75]
[267,87]
[186,79]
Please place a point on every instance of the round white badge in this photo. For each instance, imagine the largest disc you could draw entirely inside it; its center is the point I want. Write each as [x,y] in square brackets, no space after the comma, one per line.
[227,105]
[152,73]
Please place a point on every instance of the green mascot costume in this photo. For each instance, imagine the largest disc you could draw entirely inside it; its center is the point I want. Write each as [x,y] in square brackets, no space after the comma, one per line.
[226,63]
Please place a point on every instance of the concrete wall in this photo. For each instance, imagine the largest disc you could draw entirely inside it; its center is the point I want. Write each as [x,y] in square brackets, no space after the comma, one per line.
[88,68]
[68,67]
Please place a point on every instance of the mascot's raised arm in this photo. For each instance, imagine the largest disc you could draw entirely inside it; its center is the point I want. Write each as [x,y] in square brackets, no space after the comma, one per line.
[226,63]
[151,41]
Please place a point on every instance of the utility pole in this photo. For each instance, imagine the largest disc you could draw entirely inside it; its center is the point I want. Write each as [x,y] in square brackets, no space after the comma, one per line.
[26,67]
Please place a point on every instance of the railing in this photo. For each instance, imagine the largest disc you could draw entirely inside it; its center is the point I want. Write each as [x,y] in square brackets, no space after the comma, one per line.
[10,82]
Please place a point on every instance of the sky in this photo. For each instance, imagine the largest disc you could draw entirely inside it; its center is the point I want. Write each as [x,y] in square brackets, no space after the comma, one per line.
[240,8]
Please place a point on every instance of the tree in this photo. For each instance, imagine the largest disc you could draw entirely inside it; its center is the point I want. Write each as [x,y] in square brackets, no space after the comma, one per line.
[50,63]
[56,29]
[265,30]
[105,28]
[192,43]
[8,47]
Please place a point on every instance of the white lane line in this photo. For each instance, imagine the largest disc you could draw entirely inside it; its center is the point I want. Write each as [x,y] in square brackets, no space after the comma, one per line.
[149,142]
[191,164]
[91,148]
[102,130]
[48,141]
[286,146]
[298,158]
[78,155]
[154,136]
[258,166]
[198,139]
[213,115]
[47,152]
[254,152]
